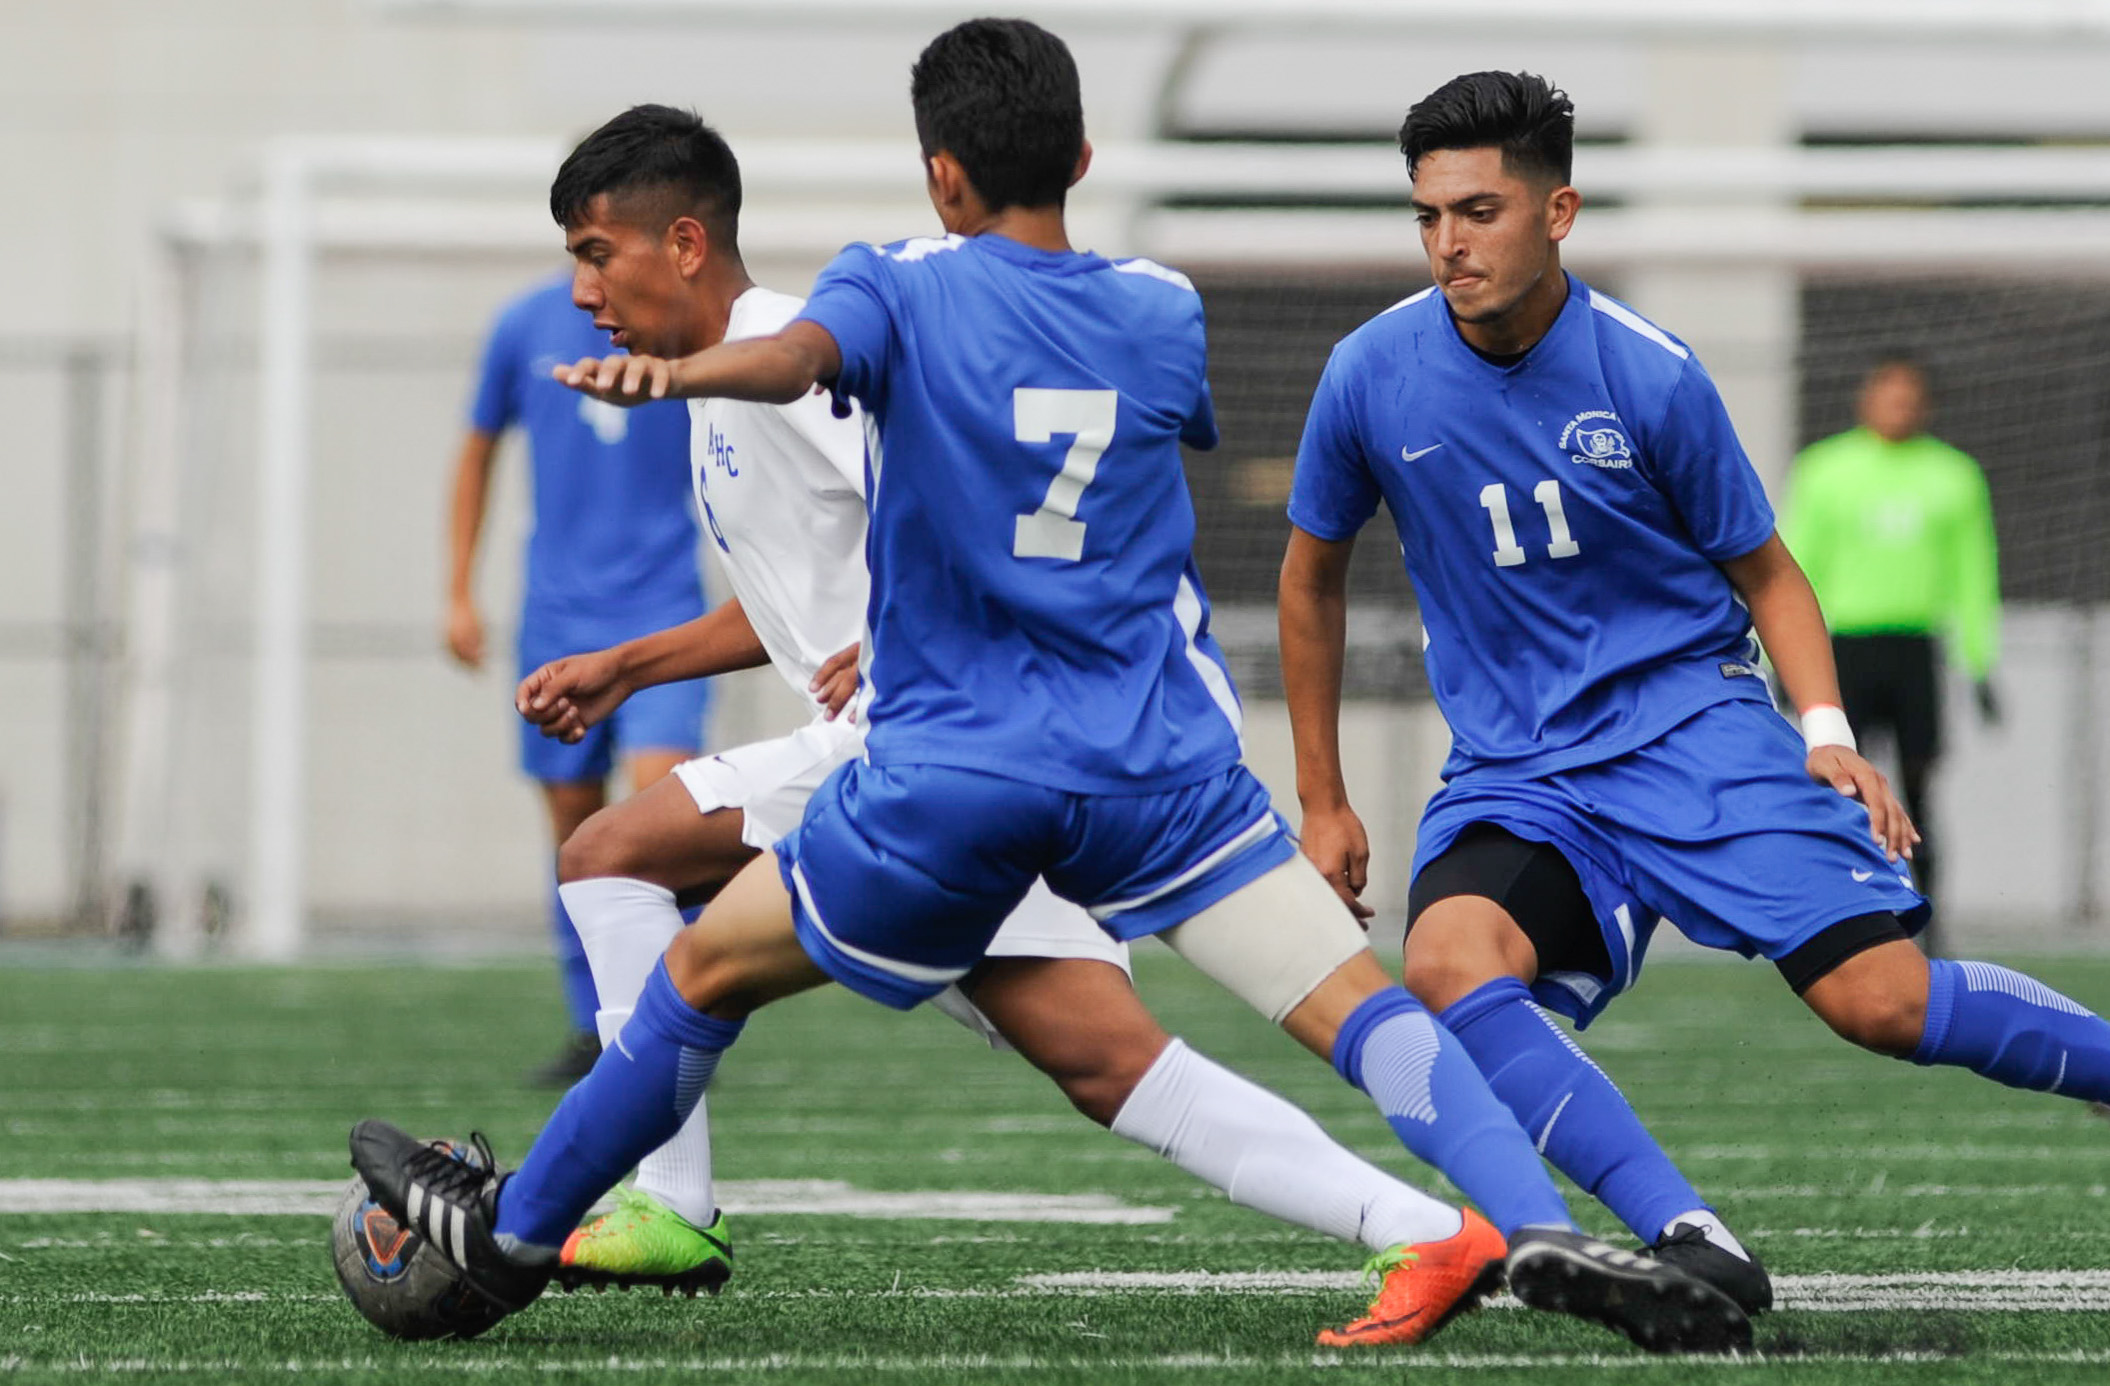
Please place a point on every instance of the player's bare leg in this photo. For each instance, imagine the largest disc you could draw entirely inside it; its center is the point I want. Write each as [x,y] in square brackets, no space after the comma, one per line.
[652,764]
[1876,999]
[1995,1021]
[1469,960]
[1459,945]
[1036,1004]
[567,804]
[658,836]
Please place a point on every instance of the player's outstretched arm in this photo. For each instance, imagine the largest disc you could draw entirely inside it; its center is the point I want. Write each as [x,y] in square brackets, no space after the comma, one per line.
[569,695]
[768,370]
[1790,625]
[1313,613]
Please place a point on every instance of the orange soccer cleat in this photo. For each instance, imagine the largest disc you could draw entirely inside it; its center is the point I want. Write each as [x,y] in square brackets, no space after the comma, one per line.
[1424,1286]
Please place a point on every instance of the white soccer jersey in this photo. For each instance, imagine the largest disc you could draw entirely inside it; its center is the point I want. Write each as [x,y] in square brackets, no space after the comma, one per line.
[781,488]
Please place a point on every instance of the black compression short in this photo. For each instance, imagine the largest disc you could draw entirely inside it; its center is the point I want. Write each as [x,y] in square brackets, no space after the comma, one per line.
[1532,882]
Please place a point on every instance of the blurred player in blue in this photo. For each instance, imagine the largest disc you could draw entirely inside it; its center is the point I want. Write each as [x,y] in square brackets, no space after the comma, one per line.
[612,556]
[1046,703]
[1593,555]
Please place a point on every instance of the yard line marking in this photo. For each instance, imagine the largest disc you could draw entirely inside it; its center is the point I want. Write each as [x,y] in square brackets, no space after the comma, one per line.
[1911,1191]
[1976,1291]
[2002,1290]
[542,1364]
[817,1197]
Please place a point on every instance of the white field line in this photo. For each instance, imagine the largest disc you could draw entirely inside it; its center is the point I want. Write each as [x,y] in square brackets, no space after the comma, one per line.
[835,1198]
[861,1365]
[1881,1185]
[2005,1291]
[821,1197]
[1976,1291]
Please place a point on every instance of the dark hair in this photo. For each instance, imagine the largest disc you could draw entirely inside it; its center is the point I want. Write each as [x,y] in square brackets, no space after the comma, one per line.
[1900,359]
[662,163]
[1001,96]
[1528,118]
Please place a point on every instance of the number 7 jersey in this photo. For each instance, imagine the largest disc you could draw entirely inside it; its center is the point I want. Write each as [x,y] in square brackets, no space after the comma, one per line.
[1561,516]
[1035,610]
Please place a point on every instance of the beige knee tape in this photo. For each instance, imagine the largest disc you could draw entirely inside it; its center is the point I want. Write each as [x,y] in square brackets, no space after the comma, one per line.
[1271,943]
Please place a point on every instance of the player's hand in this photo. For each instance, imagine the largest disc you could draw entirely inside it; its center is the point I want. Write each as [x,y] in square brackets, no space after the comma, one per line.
[624,380]
[1336,843]
[1988,703]
[465,634]
[567,696]
[836,683]
[1854,777]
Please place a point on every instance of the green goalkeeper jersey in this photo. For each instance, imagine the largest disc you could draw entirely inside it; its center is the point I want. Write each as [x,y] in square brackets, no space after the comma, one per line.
[1898,537]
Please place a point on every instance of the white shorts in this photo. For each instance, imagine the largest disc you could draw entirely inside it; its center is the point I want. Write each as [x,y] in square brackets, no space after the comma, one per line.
[770,782]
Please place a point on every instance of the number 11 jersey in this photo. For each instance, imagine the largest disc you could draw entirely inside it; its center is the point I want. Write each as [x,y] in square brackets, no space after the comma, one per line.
[1561,516]
[1035,609]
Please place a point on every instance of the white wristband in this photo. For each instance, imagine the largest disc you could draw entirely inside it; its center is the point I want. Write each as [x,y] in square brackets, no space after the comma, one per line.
[1825,724]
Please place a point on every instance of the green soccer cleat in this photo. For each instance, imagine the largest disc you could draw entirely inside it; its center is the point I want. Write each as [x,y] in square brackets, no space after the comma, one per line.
[644,1242]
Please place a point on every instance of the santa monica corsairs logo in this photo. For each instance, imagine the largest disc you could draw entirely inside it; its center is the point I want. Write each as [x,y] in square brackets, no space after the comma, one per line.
[1593,438]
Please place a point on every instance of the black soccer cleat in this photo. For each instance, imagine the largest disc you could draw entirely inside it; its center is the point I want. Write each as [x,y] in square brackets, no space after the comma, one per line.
[1744,1281]
[1655,1306]
[449,1202]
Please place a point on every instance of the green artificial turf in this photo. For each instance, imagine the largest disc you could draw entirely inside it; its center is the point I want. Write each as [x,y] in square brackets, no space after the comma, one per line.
[1824,1158]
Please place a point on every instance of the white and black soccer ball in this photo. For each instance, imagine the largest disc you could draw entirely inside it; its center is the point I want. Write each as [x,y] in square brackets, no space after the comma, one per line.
[399,1284]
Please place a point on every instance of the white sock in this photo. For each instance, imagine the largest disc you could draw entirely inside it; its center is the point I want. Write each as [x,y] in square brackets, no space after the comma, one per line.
[1711,1227]
[1269,1156]
[625,926]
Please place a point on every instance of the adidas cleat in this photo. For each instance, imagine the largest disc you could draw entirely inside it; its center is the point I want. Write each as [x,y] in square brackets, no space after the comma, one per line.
[1744,1281]
[1655,1306]
[1424,1286]
[644,1242]
[451,1203]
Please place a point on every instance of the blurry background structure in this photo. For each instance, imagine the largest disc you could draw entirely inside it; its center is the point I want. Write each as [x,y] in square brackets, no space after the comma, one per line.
[255,246]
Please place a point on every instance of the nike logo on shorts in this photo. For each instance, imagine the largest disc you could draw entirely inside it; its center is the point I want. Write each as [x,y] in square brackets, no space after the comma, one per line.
[1407,456]
[1860,875]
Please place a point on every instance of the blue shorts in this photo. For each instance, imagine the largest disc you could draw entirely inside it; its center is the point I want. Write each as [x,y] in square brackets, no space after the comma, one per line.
[900,875]
[666,718]
[1713,827]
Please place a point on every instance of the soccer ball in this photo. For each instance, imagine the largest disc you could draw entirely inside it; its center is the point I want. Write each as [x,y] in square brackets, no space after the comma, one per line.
[397,1283]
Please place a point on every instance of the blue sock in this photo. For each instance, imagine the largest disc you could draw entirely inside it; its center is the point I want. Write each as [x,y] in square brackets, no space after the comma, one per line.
[1567,1105]
[581,1001]
[638,1094]
[2014,1030]
[1438,1105]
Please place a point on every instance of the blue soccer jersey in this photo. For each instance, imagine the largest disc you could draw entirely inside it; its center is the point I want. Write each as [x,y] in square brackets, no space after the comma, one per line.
[1035,609]
[614,544]
[1561,517]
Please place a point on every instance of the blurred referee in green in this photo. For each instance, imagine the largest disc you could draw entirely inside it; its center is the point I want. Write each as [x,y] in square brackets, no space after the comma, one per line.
[1895,529]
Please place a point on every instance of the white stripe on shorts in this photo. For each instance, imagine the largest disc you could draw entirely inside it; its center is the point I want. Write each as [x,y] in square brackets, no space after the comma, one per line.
[1250,837]
[894,967]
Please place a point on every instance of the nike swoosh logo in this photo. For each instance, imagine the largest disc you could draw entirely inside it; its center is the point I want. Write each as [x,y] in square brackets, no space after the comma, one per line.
[1860,875]
[1410,456]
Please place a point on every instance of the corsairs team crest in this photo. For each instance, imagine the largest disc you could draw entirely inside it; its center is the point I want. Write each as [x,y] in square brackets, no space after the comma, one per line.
[1594,439]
